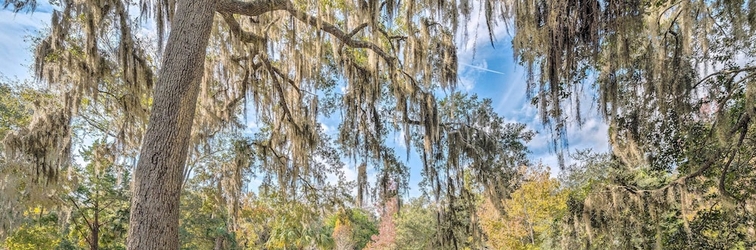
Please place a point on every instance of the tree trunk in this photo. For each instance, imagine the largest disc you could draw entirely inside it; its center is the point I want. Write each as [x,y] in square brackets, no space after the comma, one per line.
[95,244]
[218,243]
[158,175]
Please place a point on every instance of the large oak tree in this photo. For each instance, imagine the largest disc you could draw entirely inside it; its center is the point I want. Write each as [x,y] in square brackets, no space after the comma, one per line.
[392,57]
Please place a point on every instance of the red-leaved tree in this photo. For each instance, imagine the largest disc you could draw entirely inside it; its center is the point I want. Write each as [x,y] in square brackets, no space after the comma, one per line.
[386,237]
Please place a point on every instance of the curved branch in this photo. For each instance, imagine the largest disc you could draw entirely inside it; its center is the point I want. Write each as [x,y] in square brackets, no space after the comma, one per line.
[358,29]
[339,34]
[254,8]
[735,71]
[742,126]
[284,104]
[235,27]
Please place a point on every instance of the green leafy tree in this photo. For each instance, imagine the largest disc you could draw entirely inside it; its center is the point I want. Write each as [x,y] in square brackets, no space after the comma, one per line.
[15,113]
[39,232]
[93,216]
[100,211]
[652,64]
[204,221]
[15,106]
[491,150]
[362,226]
[675,82]
[286,224]
[416,224]
[530,212]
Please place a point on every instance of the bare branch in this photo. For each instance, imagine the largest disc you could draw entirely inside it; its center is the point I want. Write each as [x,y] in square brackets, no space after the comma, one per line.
[724,72]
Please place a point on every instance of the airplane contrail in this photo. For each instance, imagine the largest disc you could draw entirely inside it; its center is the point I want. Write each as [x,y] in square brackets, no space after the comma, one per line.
[483,69]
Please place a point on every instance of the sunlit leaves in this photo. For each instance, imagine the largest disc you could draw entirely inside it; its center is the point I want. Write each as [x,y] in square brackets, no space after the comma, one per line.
[530,212]
[41,233]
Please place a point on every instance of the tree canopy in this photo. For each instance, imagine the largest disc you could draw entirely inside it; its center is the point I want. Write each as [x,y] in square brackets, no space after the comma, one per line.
[223,93]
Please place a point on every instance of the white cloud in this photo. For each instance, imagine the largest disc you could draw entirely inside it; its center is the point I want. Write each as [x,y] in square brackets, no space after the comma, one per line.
[399,139]
[477,34]
[349,173]
[326,129]
[467,80]
[347,170]
[591,134]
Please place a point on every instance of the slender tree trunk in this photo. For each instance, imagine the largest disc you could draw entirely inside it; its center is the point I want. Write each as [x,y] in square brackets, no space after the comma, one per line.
[218,243]
[96,227]
[158,176]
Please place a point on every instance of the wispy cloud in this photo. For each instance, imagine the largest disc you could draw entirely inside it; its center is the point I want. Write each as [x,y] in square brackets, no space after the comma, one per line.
[482,69]
[591,134]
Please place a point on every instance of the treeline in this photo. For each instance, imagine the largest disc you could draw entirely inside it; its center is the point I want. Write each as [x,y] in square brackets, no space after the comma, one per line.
[584,208]
[597,203]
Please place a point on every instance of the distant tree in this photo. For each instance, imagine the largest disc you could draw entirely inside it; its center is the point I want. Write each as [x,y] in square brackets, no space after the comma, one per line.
[361,227]
[94,215]
[530,212]
[99,205]
[342,235]
[416,225]
[386,237]
[670,77]
[675,81]
[15,112]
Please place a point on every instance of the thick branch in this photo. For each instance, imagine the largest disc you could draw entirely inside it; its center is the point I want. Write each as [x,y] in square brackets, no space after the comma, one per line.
[254,8]
[259,7]
[356,30]
[89,224]
[339,34]
[236,29]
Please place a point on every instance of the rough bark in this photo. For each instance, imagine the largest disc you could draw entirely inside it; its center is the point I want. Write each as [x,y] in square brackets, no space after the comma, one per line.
[158,175]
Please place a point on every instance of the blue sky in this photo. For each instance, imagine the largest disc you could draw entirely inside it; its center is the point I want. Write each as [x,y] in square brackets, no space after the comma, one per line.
[503,81]
[486,71]
[15,51]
